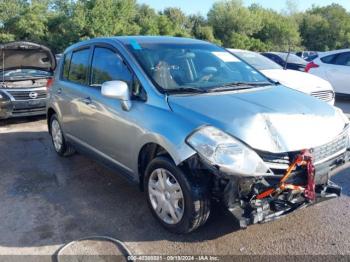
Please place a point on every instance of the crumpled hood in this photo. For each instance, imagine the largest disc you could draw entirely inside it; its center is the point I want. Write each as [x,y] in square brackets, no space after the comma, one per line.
[297,80]
[274,119]
[26,55]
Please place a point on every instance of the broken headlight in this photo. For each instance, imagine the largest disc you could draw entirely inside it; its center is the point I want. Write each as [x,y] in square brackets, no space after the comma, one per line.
[226,152]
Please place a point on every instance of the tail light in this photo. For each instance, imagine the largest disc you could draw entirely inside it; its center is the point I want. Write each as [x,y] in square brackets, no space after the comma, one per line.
[49,83]
[310,65]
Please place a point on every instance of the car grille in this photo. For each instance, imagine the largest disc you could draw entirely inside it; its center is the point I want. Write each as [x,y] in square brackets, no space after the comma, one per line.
[27,95]
[320,153]
[324,152]
[324,95]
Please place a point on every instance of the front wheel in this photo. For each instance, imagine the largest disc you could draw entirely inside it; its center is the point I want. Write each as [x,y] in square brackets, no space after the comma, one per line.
[179,205]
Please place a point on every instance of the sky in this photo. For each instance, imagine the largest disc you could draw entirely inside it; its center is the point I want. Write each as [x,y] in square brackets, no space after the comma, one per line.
[203,6]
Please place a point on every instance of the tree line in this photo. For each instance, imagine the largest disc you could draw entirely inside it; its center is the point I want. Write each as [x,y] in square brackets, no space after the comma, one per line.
[60,23]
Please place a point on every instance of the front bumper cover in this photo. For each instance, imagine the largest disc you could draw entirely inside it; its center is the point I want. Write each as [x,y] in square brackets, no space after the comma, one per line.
[265,210]
[238,193]
[15,108]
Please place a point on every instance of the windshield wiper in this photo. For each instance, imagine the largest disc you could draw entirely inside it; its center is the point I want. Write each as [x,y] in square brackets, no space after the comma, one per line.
[238,86]
[186,90]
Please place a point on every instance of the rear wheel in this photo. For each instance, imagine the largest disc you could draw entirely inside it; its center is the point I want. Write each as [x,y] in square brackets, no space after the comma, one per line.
[178,205]
[58,140]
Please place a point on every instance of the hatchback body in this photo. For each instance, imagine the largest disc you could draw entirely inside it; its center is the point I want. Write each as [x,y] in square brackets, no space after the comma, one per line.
[288,61]
[334,67]
[26,70]
[189,122]
[300,81]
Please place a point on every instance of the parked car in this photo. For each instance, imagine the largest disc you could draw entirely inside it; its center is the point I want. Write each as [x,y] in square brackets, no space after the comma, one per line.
[307,55]
[188,121]
[301,81]
[26,72]
[333,66]
[288,61]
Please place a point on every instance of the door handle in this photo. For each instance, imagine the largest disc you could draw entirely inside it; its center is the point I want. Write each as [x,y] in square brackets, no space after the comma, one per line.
[87,101]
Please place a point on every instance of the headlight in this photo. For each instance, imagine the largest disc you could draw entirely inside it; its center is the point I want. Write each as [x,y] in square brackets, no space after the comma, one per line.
[231,155]
[342,115]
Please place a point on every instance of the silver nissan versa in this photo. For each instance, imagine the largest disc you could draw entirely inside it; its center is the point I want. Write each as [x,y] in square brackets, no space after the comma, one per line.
[191,123]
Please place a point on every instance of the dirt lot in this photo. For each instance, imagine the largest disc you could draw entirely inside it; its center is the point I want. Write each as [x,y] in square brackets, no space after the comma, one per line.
[47,201]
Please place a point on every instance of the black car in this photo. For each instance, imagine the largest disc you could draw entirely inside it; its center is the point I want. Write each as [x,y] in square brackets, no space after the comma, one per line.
[26,71]
[288,61]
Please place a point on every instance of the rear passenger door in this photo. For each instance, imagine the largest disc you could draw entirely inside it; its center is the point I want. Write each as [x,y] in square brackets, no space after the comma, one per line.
[74,81]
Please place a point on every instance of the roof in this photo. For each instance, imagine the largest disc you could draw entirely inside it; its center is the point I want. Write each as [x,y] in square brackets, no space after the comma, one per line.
[139,40]
[158,39]
[333,52]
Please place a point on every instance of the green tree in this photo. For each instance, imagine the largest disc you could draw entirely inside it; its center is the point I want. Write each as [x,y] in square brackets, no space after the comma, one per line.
[326,28]
[277,31]
[229,18]
[147,19]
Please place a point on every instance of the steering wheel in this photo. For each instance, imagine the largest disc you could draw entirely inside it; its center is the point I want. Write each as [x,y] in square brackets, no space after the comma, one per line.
[207,73]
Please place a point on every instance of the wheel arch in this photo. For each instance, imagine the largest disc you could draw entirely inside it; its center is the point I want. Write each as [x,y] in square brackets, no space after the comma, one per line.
[50,113]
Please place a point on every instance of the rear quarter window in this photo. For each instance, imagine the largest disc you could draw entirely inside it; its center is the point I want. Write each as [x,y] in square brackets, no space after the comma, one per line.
[66,64]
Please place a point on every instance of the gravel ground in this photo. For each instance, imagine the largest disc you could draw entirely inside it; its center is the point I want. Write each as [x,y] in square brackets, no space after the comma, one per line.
[47,201]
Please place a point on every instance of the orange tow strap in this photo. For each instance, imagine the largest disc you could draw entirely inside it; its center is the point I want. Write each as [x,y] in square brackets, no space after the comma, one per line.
[303,159]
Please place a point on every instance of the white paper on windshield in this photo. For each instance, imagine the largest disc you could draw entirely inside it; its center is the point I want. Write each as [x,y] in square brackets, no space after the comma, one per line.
[225,56]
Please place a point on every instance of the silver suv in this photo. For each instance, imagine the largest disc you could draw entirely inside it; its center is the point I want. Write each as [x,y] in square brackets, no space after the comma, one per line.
[191,123]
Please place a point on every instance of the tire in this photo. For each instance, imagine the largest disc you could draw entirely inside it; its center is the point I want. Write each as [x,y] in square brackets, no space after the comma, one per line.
[61,147]
[189,212]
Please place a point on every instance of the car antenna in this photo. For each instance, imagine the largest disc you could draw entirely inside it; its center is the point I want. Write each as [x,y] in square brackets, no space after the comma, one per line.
[3,67]
[286,62]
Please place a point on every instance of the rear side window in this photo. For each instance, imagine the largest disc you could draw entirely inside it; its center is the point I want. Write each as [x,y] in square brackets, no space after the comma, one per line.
[343,59]
[79,66]
[107,65]
[328,59]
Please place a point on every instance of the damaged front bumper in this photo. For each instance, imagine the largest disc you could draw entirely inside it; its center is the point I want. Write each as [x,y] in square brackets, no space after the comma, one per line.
[265,210]
[239,193]
[242,194]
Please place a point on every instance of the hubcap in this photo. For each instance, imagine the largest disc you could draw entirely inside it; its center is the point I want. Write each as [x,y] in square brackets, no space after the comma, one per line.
[56,134]
[166,196]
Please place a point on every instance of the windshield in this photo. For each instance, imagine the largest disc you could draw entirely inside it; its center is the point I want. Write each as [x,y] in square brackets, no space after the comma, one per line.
[24,73]
[258,61]
[292,58]
[198,67]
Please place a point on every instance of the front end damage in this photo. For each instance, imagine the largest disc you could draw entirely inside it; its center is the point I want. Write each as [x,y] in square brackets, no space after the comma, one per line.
[262,199]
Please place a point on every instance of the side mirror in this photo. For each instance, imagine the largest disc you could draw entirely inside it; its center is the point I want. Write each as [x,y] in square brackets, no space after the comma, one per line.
[119,90]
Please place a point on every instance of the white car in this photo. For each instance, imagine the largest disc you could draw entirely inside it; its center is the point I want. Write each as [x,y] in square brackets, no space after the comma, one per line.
[303,82]
[333,66]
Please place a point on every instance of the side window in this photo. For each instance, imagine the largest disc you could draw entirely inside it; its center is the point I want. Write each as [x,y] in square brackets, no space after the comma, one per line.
[66,64]
[328,59]
[106,66]
[343,59]
[79,66]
